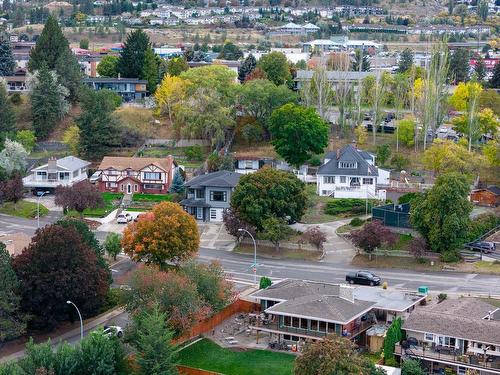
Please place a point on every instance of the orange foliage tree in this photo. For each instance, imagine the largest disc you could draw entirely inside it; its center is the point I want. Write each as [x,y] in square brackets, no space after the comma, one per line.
[167,234]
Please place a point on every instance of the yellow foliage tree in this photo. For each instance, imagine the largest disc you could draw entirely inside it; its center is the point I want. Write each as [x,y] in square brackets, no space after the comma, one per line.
[491,152]
[361,134]
[166,234]
[446,156]
[71,137]
[466,96]
[170,92]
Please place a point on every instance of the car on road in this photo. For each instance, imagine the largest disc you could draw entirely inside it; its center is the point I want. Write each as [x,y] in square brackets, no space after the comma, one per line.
[113,331]
[123,218]
[483,246]
[362,277]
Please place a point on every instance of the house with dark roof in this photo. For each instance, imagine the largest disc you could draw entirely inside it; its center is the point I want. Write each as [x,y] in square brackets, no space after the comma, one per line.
[462,335]
[129,89]
[208,195]
[300,310]
[489,196]
[351,173]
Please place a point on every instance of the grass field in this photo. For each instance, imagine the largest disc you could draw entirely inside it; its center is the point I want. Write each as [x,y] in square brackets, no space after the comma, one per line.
[23,209]
[283,253]
[207,355]
[151,197]
[110,203]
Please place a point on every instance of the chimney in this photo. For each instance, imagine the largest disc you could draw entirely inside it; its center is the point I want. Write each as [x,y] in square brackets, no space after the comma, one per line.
[93,69]
[338,154]
[52,164]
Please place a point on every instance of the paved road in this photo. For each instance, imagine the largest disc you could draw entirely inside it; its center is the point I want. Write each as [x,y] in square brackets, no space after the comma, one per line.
[12,224]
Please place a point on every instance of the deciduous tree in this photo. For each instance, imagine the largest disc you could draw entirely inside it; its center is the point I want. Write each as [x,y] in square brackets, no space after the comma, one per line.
[78,197]
[383,153]
[274,230]
[406,132]
[177,65]
[314,236]
[108,66]
[233,222]
[215,77]
[71,137]
[371,236]
[12,190]
[166,234]
[412,367]
[276,67]
[417,247]
[172,91]
[113,244]
[27,139]
[446,156]
[13,157]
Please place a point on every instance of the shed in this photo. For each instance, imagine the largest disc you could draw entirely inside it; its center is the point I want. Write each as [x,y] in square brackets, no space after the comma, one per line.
[376,336]
[489,196]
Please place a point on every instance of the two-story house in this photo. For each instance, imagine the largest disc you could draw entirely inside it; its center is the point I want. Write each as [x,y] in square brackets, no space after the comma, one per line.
[351,173]
[129,89]
[462,335]
[132,175]
[208,195]
[66,172]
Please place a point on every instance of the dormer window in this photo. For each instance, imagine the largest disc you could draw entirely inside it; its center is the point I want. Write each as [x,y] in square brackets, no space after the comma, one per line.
[347,165]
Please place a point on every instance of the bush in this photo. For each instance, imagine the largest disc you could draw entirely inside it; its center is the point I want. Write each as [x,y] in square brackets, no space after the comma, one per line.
[450,256]
[348,205]
[481,225]
[442,297]
[399,162]
[408,197]
[356,222]
[314,236]
[194,153]
[16,98]
[391,362]
[265,282]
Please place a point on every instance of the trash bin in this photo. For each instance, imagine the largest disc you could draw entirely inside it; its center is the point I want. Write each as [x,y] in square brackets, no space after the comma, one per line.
[423,289]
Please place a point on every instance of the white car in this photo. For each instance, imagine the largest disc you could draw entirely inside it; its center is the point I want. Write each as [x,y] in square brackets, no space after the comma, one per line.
[123,218]
[113,331]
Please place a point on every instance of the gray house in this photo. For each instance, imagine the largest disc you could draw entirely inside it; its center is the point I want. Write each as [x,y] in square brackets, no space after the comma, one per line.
[209,195]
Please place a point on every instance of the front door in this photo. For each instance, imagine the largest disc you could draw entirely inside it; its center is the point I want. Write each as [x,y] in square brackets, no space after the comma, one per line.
[129,189]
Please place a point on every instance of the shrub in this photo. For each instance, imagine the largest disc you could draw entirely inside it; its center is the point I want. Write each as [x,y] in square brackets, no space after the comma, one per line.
[314,236]
[442,297]
[408,197]
[450,256]
[16,98]
[399,162]
[194,152]
[265,282]
[348,205]
[384,285]
[417,247]
[356,222]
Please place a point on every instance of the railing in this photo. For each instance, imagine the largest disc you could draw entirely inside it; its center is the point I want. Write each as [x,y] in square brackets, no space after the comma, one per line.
[307,332]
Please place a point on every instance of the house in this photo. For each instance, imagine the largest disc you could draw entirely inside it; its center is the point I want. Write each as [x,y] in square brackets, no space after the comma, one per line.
[135,175]
[351,173]
[462,335]
[208,195]
[66,172]
[129,89]
[299,310]
[489,196]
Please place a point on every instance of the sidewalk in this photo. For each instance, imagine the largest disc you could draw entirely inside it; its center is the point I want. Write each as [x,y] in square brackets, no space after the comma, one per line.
[88,325]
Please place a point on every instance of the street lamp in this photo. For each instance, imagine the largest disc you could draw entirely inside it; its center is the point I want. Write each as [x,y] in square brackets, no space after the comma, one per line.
[40,195]
[254,265]
[81,321]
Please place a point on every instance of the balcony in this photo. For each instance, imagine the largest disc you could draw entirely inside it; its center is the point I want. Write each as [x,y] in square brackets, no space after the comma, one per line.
[32,182]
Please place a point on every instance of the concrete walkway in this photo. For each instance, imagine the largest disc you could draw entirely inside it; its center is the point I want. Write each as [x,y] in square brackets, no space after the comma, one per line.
[215,236]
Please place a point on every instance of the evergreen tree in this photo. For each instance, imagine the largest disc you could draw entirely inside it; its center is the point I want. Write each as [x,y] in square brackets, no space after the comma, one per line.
[177,65]
[150,70]
[133,55]
[47,102]
[246,67]
[459,66]
[177,183]
[7,63]
[12,321]
[7,116]
[495,78]
[482,9]
[480,69]
[52,50]
[405,60]
[365,65]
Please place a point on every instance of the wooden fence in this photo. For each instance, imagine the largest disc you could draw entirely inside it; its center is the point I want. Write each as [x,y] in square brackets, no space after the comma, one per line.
[185,370]
[238,306]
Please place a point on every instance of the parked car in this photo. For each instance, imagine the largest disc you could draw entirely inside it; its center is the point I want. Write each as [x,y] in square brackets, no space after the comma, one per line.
[123,218]
[484,246]
[362,277]
[113,331]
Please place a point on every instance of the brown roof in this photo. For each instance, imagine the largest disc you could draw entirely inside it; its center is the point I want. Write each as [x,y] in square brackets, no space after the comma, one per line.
[135,163]
[460,318]
[15,242]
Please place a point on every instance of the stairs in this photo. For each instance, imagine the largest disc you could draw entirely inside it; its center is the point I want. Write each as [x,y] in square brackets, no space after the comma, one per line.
[470,256]
[126,200]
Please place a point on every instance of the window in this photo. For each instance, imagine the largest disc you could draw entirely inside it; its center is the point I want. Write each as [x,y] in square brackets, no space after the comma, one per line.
[52,176]
[75,173]
[343,179]
[331,327]
[122,187]
[63,175]
[111,184]
[218,196]
[41,175]
[112,172]
[447,341]
[248,164]
[296,322]
[314,325]
[136,188]
[347,165]
[367,181]
[213,214]
[429,337]
[153,186]
[287,321]
[152,176]
[329,179]
[199,212]
[200,194]
[322,326]
[303,323]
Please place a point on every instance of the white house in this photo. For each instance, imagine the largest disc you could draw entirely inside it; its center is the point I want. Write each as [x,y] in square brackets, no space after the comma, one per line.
[66,172]
[351,173]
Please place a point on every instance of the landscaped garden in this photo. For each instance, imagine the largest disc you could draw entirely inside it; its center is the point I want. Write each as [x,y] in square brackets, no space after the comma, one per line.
[207,355]
[111,202]
[190,157]
[144,202]
[23,208]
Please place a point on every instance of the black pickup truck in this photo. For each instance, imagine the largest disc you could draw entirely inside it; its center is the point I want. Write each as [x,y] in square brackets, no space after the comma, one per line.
[362,277]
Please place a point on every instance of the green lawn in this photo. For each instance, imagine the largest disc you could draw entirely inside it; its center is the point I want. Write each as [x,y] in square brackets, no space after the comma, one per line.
[401,244]
[111,201]
[23,209]
[151,197]
[207,355]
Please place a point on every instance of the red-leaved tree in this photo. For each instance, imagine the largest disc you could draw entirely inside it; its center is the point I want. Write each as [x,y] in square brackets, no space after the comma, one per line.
[314,236]
[371,236]
[78,197]
[11,190]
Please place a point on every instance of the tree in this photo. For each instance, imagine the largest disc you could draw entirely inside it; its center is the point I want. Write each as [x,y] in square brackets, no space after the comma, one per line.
[13,157]
[12,320]
[156,354]
[417,247]
[332,355]
[48,103]
[113,244]
[84,43]
[490,99]
[12,190]
[485,122]
[482,9]
[150,70]
[314,236]
[166,234]
[276,67]
[246,67]
[412,367]
[257,73]
[133,56]
[233,223]
[177,183]
[108,66]
[494,82]
[491,151]
[393,336]
[230,51]
[446,156]
[78,197]
[52,52]
[405,60]
[441,215]
[213,77]
[177,65]
[269,193]
[57,266]
[100,354]
[7,62]
[365,65]
[171,92]
[371,236]
[480,69]
[7,115]
[297,133]
[71,137]
[406,132]
[27,139]
[265,282]
[274,230]
[383,153]
[459,66]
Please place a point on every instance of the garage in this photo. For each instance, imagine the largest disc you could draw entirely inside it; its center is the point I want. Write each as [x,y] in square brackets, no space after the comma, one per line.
[216,214]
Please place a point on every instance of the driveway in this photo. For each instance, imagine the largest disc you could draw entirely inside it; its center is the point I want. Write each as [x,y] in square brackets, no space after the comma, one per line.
[215,236]
[46,200]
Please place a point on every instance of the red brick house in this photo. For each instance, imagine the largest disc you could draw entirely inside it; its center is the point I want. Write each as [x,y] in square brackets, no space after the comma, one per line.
[131,175]
[489,196]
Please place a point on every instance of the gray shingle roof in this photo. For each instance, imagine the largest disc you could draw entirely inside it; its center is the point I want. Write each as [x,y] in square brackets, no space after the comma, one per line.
[348,153]
[494,189]
[290,289]
[70,163]
[460,318]
[216,179]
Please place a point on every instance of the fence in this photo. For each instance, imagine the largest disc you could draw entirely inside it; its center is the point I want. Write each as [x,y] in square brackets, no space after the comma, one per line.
[238,306]
[394,216]
[176,142]
[185,370]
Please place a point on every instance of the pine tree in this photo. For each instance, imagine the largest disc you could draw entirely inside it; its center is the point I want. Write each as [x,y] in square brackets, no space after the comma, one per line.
[7,116]
[12,321]
[131,62]
[365,65]
[7,62]
[246,67]
[52,49]
[480,69]
[405,60]
[495,78]
[177,183]
[150,70]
